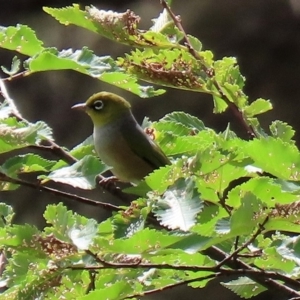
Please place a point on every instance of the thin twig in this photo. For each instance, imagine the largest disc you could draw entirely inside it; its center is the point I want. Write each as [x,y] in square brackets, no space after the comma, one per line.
[245,245]
[238,114]
[261,276]
[170,286]
[91,286]
[15,76]
[107,206]
[269,283]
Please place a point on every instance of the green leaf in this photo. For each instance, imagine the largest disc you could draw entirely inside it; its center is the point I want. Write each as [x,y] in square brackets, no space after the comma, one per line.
[207,220]
[86,62]
[268,190]
[165,25]
[79,152]
[63,221]
[275,156]
[81,174]
[244,287]
[175,68]
[20,38]
[71,15]
[282,130]
[15,135]
[159,179]
[179,206]
[20,236]
[15,67]
[196,44]
[280,255]
[7,214]
[185,119]
[82,236]
[25,164]
[113,291]
[141,242]
[243,220]
[190,145]
[134,220]
[119,27]
[219,104]
[257,107]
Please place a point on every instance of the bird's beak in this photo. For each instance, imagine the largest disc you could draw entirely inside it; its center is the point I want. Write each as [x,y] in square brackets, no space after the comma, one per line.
[79,106]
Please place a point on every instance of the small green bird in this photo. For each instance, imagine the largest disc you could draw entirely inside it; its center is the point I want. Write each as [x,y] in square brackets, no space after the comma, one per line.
[119,140]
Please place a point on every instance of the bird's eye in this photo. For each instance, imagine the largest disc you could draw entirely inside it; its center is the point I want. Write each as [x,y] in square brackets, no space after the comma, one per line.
[98,105]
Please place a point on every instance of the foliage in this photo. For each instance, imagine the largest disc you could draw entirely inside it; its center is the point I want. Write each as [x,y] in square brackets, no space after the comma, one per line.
[226,206]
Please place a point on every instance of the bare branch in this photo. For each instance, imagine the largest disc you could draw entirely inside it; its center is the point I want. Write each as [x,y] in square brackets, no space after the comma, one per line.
[107,206]
[238,114]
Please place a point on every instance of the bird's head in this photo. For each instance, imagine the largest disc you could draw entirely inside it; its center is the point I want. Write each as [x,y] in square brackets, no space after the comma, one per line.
[104,107]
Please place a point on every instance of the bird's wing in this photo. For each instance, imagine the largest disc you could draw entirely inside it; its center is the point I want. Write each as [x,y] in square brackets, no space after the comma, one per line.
[143,146]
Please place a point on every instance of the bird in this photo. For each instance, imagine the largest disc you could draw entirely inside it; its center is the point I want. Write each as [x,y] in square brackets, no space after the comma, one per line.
[120,142]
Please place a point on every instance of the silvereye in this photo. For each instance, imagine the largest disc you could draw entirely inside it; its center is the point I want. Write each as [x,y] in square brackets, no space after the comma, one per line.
[119,140]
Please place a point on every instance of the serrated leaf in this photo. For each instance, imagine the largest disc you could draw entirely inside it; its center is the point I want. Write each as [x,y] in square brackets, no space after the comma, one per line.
[167,67]
[133,220]
[282,130]
[275,156]
[25,164]
[280,257]
[185,119]
[14,68]
[20,38]
[113,291]
[62,221]
[16,135]
[191,145]
[207,221]
[268,190]
[160,179]
[79,152]
[86,62]
[141,242]
[81,174]
[244,287]
[257,107]
[179,206]
[18,236]
[119,27]
[219,104]
[243,220]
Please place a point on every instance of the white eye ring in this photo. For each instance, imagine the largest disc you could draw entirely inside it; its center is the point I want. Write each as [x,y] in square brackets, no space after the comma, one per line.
[98,105]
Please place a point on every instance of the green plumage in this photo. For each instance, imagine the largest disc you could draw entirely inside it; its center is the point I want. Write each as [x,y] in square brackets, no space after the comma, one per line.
[119,140]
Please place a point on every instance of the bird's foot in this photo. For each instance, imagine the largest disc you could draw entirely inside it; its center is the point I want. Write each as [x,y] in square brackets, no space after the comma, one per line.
[108,182]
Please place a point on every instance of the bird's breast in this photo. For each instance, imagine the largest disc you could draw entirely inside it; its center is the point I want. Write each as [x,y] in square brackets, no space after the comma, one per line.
[113,149]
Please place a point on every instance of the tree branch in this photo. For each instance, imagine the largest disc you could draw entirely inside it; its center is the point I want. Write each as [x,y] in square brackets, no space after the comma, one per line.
[107,206]
[265,278]
[238,114]
[245,245]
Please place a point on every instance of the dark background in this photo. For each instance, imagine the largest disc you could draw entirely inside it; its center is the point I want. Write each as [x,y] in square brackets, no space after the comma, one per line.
[263,35]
